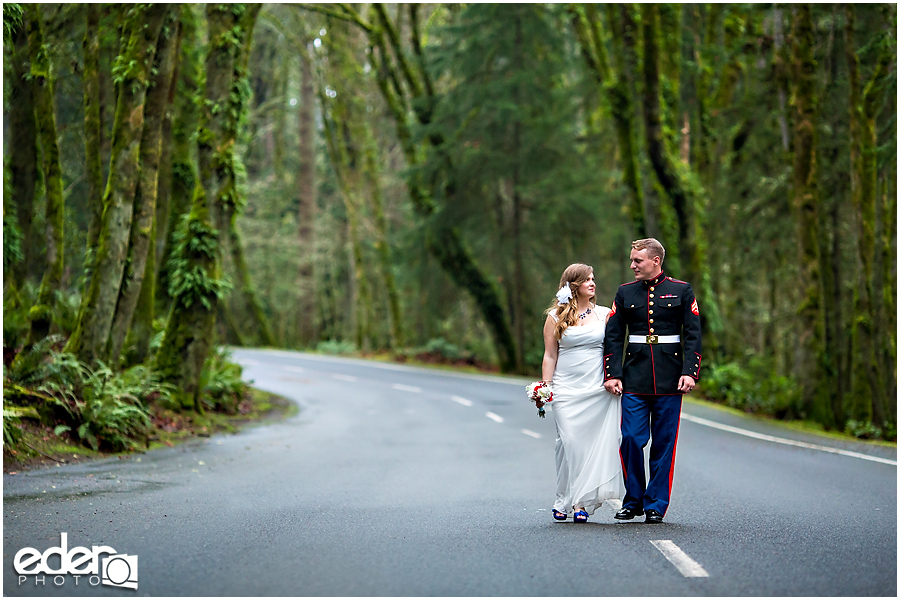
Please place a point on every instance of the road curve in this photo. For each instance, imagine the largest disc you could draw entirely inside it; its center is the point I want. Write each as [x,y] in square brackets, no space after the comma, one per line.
[399,481]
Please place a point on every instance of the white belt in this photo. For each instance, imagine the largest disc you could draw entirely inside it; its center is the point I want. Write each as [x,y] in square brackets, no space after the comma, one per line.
[654,339]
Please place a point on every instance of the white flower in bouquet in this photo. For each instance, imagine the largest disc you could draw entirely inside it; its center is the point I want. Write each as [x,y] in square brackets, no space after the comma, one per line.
[539,391]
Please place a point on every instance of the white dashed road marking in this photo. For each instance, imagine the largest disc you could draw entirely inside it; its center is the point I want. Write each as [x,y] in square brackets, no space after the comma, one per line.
[778,440]
[406,388]
[349,378]
[494,416]
[295,369]
[462,401]
[531,433]
[675,555]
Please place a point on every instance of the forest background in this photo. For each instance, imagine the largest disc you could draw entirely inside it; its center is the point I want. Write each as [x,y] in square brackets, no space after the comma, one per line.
[410,180]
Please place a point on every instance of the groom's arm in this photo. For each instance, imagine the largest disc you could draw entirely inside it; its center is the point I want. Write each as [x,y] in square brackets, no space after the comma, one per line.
[691,337]
[614,342]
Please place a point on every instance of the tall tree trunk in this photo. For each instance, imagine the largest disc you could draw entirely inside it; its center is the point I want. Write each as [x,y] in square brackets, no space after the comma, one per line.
[166,153]
[185,121]
[41,313]
[615,85]
[230,196]
[810,327]
[89,340]
[196,282]
[306,188]
[682,188]
[23,163]
[142,231]
[92,129]
[244,283]
[864,106]
[382,246]
[781,75]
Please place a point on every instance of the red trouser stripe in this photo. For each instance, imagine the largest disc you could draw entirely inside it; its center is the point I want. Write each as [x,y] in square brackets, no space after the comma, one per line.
[672,466]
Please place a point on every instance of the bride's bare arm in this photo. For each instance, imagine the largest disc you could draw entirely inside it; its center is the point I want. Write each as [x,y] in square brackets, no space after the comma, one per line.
[551,350]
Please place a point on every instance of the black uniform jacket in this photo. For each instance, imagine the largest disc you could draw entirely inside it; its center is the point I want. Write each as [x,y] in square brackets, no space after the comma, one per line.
[661,306]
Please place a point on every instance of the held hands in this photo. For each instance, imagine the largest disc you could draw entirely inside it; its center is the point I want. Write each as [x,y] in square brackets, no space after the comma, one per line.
[613,386]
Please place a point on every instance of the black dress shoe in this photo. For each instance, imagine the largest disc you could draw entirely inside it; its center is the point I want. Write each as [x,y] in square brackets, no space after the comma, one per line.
[626,514]
[653,516]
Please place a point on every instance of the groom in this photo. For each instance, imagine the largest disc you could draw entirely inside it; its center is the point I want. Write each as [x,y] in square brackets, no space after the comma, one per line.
[661,362]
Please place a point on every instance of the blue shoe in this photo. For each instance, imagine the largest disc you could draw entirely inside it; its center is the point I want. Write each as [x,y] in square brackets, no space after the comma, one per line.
[581,516]
[559,516]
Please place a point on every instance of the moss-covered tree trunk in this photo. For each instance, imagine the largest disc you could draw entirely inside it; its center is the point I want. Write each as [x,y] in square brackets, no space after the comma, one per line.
[132,70]
[164,187]
[23,162]
[615,86]
[41,314]
[142,233]
[680,185]
[382,246]
[185,120]
[865,102]
[196,279]
[810,331]
[230,196]
[92,128]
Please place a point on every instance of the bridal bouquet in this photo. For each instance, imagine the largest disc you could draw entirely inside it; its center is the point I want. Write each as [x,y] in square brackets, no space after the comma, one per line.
[540,390]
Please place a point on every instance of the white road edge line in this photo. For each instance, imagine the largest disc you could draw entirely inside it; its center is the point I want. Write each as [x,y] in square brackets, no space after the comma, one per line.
[294,369]
[349,378]
[460,400]
[504,379]
[531,433]
[778,440]
[675,555]
[406,388]
[494,416]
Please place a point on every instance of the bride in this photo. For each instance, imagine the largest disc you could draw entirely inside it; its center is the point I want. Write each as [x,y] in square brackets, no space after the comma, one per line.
[588,469]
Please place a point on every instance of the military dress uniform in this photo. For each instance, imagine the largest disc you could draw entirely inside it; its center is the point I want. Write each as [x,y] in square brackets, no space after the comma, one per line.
[662,322]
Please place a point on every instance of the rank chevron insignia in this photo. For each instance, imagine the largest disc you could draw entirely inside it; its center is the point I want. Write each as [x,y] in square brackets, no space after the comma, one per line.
[613,311]
[694,308]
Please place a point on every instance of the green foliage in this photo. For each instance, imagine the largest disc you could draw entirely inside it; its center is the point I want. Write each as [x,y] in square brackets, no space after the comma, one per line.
[753,388]
[223,388]
[12,18]
[105,409]
[190,279]
[336,347]
[867,430]
[12,416]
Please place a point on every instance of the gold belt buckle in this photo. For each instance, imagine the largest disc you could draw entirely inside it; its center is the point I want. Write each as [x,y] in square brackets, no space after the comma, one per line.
[652,339]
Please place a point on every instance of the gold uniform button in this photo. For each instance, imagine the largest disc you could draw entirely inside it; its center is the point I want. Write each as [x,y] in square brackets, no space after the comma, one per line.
[651,295]
[651,330]
[651,303]
[652,288]
[632,306]
[651,311]
[651,320]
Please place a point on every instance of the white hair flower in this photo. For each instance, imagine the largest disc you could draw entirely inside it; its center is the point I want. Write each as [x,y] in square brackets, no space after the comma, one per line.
[564,294]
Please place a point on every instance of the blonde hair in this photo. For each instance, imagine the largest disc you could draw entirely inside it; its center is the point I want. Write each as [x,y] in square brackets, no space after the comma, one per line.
[567,314]
[653,247]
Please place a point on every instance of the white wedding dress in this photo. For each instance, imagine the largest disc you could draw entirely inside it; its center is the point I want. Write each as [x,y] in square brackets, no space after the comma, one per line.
[588,420]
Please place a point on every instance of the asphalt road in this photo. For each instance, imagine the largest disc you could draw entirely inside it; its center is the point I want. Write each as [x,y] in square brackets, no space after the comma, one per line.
[396,481]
